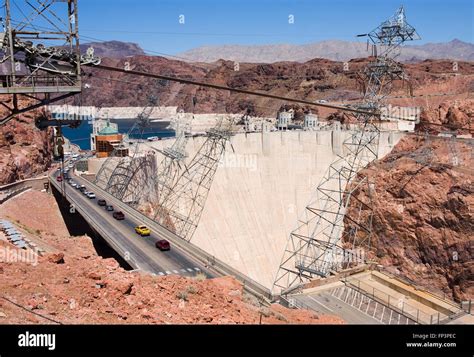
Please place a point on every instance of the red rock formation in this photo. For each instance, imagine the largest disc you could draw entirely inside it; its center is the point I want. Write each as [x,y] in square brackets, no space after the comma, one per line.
[25,151]
[423,210]
[313,80]
[72,284]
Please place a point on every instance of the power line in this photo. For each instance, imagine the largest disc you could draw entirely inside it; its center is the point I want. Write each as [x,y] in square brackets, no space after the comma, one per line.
[231,89]
[30,311]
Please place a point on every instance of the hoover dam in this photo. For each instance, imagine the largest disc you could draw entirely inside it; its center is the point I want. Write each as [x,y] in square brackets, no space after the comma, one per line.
[262,185]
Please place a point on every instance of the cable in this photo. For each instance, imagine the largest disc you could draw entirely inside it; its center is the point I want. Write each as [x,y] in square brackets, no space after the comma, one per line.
[30,311]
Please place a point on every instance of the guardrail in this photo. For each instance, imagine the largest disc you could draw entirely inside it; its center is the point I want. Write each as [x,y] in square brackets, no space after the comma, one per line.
[197,253]
[407,310]
[97,227]
[24,182]
[436,294]
[12,194]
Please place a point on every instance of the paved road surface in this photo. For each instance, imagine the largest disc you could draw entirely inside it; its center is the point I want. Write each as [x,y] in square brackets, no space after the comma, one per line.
[143,253]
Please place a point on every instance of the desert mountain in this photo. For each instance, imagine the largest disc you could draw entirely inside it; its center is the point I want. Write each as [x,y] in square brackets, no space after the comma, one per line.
[333,49]
[113,49]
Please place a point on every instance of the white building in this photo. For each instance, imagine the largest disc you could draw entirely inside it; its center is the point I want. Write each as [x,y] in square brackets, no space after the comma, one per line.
[310,121]
[284,119]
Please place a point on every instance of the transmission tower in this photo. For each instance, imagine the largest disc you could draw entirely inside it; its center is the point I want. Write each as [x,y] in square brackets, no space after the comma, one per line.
[320,245]
[129,177]
[40,57]
[170,167]
[181,207]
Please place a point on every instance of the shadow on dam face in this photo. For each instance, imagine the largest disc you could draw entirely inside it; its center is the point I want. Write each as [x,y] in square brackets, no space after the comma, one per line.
[78,226]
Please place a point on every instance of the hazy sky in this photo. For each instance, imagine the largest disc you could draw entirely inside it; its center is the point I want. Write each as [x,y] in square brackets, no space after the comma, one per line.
[154,24]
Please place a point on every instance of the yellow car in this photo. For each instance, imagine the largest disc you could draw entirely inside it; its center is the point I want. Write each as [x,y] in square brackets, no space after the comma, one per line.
[143,230]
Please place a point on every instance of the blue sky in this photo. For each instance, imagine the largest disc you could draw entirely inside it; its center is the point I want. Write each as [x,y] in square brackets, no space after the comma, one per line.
[154,24]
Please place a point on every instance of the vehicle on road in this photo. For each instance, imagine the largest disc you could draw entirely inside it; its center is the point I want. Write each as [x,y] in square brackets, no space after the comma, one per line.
[82,189]
[73,184]
[85,192]
[101,203]
[59,178]
[163,244]
[91,195]
[118,215]
[109,208]
[143,230]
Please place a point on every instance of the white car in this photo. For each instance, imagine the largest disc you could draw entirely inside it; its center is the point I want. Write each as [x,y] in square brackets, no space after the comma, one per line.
[73,184]
[91,195]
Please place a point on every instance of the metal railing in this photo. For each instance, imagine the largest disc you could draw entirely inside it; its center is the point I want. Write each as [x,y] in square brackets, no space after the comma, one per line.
[197,253]
[438,294]
[396,304]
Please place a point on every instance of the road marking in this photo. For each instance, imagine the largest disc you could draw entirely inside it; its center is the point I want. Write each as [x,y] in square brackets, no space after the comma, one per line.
[197,269]
[316,301]
[190,270]
[168,272]
[175,271]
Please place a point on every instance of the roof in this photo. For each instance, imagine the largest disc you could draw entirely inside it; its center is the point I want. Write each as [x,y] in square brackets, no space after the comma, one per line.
[108,130]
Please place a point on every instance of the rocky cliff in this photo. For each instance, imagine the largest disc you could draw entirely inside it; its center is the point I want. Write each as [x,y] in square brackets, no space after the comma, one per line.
[423,227]
[313,80]
[25,151]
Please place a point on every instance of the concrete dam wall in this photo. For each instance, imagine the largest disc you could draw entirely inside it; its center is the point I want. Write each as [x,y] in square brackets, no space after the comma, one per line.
[259,192]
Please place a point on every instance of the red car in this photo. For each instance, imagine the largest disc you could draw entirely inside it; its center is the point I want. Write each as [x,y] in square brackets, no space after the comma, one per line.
[118,215]
[163,244]
[59,178]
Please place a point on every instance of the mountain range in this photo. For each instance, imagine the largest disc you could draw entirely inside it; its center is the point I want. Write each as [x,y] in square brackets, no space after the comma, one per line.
[335,50]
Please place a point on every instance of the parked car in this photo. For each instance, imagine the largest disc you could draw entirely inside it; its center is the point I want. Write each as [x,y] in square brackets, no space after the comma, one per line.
[163,244]
[82,189]
[101,203]
[143,230]
[91,195]
[109,208]
[73,184]
[118,215]
[59,178]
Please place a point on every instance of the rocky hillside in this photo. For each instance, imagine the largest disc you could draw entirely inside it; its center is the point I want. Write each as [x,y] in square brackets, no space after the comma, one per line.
[332,49]
[313,80]
[423,207]
[71,284]
[113,49]
[25,151]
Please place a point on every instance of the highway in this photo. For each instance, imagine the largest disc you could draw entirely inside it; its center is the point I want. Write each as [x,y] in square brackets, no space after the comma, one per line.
[139,252]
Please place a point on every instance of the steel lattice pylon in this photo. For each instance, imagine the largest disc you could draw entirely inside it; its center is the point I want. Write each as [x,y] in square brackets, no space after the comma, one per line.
[169,171]
[318,245]
[40,57]
[130,178]
[182,204]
